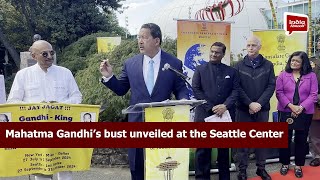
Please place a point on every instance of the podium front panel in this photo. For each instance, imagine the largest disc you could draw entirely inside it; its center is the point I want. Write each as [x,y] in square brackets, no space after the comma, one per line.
[171,163]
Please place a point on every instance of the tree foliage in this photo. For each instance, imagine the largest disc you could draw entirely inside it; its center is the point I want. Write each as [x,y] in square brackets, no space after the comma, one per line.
[75,55]
[64,21]
[60,22]
[94,92]
[11,21]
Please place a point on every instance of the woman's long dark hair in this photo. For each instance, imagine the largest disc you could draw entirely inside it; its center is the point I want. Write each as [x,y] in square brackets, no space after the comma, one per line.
[305,65]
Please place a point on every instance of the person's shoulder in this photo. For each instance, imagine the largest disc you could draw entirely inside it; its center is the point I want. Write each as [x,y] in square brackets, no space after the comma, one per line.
[23,71]
[284,74]
[134,58]
[61,68]
[312,74]
[266,61]
[229,68]
[201,67]
[239,64]
[169,56]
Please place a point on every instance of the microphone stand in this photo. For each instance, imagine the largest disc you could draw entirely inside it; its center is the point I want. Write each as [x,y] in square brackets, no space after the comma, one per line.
[189,86]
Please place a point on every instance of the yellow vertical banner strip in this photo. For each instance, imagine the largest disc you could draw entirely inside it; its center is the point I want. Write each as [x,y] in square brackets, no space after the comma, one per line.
[156,159]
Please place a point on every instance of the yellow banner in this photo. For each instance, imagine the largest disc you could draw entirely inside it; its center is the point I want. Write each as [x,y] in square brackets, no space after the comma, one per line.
[193,46]
[24,161]
[107,44]
[167,163]
[277,47]
[195,39]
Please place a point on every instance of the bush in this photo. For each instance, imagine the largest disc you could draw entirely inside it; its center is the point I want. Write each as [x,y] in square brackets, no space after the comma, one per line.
[94,92]
[74,56]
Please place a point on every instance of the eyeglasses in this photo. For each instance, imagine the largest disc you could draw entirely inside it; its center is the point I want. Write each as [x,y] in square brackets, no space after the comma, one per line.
[45,54]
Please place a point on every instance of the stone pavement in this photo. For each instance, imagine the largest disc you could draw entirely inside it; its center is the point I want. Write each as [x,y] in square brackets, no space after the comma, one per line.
[124,173]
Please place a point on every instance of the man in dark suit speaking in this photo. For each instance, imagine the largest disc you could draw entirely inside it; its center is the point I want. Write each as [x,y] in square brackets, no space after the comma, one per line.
[218,84]
[148,83]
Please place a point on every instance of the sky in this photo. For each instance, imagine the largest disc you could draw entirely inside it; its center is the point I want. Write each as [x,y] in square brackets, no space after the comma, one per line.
[138,12]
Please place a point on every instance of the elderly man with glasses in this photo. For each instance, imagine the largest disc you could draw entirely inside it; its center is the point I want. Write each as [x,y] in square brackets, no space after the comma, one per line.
[45,82]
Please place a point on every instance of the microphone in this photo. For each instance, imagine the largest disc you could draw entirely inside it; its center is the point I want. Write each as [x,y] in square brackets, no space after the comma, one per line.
[168,67]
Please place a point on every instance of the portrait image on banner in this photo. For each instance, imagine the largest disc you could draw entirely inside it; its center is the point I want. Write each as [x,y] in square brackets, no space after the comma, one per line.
[107,44]
[195,39]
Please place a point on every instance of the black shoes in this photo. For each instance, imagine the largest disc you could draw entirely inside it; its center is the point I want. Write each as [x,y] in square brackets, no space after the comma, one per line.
[263,174]
[260,172]
[298,172]
[315,162]
[284,170]
[242,175]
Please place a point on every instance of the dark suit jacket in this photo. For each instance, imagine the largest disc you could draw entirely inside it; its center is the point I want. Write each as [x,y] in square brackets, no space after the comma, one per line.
[132,78]
[217,84]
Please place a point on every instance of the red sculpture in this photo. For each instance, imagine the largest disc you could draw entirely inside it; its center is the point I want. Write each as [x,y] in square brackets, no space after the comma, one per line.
[218,10]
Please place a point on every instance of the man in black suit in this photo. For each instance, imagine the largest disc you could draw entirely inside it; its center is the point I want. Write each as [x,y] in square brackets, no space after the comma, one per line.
[218,84]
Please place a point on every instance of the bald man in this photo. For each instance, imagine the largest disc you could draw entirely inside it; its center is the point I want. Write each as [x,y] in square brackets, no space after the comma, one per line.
[257,82]
[45,82]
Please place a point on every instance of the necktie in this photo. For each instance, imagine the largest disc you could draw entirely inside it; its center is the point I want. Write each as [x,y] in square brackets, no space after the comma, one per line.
[150,77]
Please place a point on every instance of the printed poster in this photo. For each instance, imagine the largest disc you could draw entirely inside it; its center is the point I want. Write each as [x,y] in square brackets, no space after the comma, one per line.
[24,161]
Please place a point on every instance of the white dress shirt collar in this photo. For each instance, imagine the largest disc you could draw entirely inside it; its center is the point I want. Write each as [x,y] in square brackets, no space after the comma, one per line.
[156,59]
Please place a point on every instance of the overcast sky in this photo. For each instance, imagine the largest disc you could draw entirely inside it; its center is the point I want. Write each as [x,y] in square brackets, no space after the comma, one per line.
[138,12]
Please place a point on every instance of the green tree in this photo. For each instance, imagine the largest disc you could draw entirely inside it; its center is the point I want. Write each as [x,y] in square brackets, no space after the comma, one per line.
[61,22]
[11,21]
[64,21]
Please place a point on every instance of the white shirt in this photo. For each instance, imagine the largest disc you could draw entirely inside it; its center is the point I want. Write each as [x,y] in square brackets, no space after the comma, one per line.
[156,66]
[33,85]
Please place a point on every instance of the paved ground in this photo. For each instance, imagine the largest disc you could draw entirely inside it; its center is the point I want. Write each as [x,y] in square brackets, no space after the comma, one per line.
[124,174]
